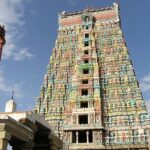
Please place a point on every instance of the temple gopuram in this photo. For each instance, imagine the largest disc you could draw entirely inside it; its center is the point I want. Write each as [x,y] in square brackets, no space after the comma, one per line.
[2,39]
[90,95]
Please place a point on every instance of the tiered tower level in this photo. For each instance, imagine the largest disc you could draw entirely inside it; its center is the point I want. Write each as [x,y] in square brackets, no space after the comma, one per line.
[90,95]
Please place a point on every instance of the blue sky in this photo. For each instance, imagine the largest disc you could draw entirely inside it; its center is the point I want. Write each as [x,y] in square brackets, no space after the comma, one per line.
[31,31]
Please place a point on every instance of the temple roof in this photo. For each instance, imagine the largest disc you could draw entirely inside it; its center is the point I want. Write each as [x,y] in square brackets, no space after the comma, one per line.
[89,9]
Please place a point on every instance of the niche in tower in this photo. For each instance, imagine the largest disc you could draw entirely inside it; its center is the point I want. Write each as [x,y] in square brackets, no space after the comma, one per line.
[83,119]
[84,92]
[84,104]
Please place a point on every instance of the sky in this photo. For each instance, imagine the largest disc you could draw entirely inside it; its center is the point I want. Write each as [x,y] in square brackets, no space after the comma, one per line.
[31,31]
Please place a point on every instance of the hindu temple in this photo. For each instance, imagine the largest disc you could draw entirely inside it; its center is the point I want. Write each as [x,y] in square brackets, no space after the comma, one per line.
[90,95]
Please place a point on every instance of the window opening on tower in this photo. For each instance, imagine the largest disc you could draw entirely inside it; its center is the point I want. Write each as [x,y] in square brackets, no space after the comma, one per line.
[87,27]
[86,61]
[83,104]
[83,119]
[86,52]
[82,137]
[85,71]
[85,81]
[86,35]
[84,92]
[86,43]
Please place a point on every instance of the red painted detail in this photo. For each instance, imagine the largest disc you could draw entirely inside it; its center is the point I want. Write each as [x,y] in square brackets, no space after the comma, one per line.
[107,15]
[70,21]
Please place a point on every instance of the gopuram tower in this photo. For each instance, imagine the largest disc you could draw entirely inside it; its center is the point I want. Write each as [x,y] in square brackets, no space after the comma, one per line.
[90,94]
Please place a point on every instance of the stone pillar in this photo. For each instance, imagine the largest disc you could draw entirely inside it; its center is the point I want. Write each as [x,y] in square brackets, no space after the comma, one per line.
[77,119]
[3,144]
[77,138]
[87,136]
[4,138]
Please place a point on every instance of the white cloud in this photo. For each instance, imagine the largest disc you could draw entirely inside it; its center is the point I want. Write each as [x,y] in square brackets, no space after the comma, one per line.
[148,105]
[7,88]
[22,54]
[11,15]
[72,3]
[145,86]
[146,78]
[9,11]
[145,83]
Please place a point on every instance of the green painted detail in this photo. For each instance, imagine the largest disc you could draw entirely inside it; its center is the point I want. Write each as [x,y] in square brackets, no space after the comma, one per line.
[87,39]
[84,66]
